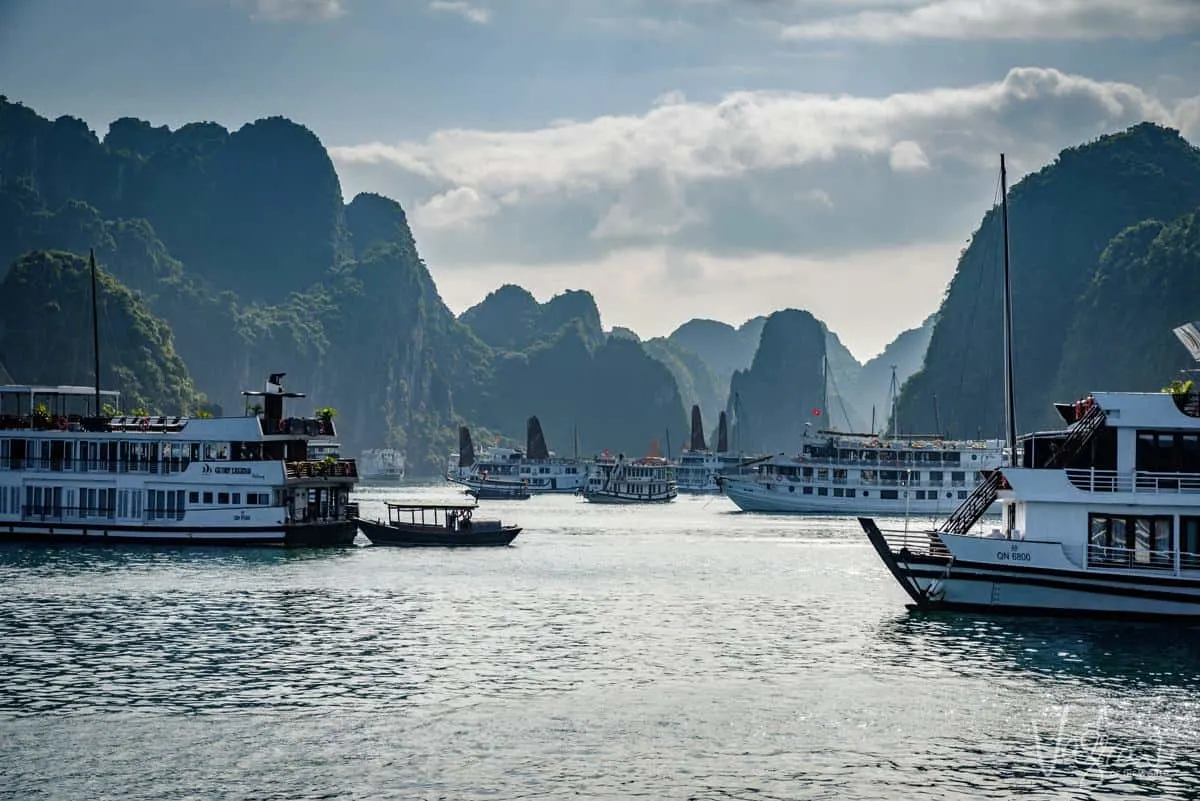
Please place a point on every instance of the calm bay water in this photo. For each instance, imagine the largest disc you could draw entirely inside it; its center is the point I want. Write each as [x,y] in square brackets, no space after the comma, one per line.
[686,651]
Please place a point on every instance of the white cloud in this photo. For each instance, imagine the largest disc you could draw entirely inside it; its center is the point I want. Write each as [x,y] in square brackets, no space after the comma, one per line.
[471,13]
[907,156]
[1010,19]
[278,10]
[457,208]
[650,177]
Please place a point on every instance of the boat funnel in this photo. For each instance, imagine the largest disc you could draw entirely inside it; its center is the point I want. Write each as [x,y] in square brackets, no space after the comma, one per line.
[466,448]
[697,443]
[535,440]
[722,434]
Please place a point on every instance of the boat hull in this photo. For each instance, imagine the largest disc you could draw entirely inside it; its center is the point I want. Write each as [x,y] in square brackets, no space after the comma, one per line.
[750,496]
[309,535]
[613,498]
[935,582]
[490,494]
[404,536]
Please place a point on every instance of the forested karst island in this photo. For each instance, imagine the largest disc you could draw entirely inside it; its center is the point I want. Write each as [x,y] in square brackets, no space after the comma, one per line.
[226,255]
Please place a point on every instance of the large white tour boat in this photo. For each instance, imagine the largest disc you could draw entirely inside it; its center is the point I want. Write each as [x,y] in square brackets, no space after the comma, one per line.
[842,473]
[382,464]
[650,479]
[1100,518]
[69,471]
[536,466]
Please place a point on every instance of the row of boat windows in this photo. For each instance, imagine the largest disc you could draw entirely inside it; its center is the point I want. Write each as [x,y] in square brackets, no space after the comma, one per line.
[1160,452]
[1142,541]
[636,490]
[17,454]
[885,456]
[898,477]
[544,471]
[887,495]
[88,502]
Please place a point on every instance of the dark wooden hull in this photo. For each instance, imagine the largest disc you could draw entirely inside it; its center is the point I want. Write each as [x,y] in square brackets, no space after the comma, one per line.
[491,494]
[407,536]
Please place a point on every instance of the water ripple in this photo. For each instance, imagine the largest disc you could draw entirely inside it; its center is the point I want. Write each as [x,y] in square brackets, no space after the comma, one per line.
[682,653]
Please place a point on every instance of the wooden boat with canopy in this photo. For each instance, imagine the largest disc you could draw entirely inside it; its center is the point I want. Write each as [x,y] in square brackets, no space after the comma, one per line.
[436,524]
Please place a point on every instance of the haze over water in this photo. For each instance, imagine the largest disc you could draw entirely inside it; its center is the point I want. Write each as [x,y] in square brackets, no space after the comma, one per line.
[686,651]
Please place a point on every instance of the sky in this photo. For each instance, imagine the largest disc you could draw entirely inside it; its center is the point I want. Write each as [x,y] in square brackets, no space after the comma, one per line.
[676,158]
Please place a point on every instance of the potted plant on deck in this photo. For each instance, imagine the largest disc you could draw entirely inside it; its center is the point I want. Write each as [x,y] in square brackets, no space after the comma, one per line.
[326,414]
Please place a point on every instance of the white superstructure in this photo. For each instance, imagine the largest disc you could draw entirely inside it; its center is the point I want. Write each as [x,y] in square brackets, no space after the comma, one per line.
[382,464]
[837,473]
[68,473]
[650,479]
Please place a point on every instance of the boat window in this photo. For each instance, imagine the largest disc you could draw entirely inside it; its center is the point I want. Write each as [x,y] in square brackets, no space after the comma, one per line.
[889,495]
[1189,543]
[1129,541]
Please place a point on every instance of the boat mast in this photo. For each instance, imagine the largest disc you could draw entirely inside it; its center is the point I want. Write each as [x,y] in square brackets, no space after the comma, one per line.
[1010,414]
[895,392]
[825,381]
[95,330]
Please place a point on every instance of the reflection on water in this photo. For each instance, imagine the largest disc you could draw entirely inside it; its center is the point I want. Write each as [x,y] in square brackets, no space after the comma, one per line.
[673,652]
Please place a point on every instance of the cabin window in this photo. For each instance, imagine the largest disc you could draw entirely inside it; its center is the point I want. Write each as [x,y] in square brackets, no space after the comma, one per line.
[822,490]
[806,490]
[223,497]
[889,495]
[237,499]
[208,498]
[958,478]
[1189,543]
[1130,541]
[935,477]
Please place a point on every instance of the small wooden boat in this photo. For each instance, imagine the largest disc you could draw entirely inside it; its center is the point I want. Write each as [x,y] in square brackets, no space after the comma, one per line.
[436,524]
[497,489]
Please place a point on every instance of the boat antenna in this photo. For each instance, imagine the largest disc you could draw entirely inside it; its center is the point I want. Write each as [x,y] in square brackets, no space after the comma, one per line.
[668,433]
[95,329]
[937,418]
[1010,414]
[872,419]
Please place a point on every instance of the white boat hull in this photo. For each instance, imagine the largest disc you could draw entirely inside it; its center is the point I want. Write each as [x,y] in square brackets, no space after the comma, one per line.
[1022,577]
[753,496]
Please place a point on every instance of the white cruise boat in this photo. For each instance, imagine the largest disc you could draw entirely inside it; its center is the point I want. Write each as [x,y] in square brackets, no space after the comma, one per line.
[1101,518]
[698,469]
[840,473]
[650,479]
[536,466]
[382,464]
[68,473]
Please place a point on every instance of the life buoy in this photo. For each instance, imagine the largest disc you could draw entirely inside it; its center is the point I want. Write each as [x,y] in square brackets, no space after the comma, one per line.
[283,426]
[145,424]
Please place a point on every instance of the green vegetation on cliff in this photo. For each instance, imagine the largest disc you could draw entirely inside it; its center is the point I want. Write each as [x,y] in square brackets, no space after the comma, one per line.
[1062,219]
[45,306]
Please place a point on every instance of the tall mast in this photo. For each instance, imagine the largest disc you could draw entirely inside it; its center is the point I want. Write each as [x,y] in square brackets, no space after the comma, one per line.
[1010,414]
[894,390]
[825,382]
[95,329]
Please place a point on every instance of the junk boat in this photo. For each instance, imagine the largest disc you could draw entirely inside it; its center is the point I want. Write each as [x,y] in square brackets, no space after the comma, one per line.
[436,524]
[649,479]
[536,465]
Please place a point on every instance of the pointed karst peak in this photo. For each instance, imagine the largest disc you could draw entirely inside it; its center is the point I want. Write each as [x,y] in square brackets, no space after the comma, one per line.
[376,220]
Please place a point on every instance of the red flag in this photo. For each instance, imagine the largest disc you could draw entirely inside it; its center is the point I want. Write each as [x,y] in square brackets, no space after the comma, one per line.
[816,412]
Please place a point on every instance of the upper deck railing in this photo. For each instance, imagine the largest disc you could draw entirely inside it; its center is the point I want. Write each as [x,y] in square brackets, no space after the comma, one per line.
[312,468]
[1134,481]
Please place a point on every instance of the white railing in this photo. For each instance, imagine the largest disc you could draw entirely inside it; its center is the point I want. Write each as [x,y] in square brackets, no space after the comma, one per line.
[1134,481]
[1105,556]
